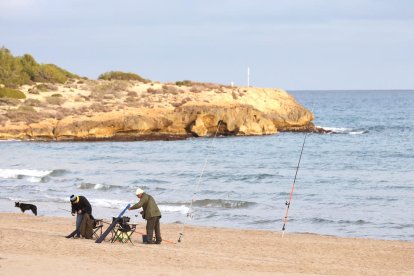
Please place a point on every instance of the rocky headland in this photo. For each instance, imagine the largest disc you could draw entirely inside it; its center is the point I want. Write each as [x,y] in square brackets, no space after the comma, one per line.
[133,110]
[46,102]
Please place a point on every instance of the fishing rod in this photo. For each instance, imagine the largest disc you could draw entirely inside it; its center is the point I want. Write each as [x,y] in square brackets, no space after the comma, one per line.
[287,203]
[190,212]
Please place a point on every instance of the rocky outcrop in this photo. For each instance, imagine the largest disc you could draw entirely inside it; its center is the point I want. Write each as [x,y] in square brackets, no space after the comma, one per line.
[229,111]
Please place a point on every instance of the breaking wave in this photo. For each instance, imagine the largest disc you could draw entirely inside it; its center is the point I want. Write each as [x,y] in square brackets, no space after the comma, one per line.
[344,130]
[108,203]
[173,209]
[98,186]
[221,203]
[30,175]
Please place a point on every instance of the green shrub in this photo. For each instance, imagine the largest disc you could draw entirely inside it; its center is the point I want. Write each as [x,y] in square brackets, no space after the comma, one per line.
[11,93]
[57,95]
[118,75]
[184,83]
[42,87]
[52,73]
[15,71]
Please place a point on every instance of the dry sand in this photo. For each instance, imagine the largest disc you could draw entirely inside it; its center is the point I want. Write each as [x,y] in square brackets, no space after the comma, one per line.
[36,246]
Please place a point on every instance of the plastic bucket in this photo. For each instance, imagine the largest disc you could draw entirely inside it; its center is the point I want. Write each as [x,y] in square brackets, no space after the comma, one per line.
[144,239]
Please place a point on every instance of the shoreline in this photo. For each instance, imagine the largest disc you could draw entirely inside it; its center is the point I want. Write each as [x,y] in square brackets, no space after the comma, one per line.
[162,137]
[37,244]
[140,221]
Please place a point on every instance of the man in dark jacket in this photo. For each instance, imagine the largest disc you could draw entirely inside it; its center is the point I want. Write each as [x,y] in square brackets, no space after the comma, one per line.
[80,206]
[151,213]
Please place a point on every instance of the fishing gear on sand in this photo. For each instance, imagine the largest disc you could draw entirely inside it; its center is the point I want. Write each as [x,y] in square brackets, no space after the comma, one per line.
[110,227]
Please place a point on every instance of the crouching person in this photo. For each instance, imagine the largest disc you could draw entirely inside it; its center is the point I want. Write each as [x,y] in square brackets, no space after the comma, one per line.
[84,220]
[151,213]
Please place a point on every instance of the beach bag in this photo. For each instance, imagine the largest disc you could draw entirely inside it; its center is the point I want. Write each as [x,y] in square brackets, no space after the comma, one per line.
[86,227]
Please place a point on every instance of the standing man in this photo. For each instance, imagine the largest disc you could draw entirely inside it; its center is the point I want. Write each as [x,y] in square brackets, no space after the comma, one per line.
[80,206]
[151,213]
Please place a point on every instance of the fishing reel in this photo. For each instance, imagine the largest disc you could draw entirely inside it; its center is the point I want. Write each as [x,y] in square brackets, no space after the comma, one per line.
[179,238]
[287,203]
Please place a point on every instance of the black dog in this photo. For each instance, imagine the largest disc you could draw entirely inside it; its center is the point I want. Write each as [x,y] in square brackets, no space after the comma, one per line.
[24,207]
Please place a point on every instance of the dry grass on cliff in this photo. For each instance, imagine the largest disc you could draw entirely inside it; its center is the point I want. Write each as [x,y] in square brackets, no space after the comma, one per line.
[85,97]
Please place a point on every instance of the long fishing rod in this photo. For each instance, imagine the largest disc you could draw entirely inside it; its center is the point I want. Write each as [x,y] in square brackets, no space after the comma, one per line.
[287,203]
[189,213]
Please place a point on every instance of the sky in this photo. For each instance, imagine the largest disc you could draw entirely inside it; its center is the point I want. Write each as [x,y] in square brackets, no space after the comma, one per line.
[292,44]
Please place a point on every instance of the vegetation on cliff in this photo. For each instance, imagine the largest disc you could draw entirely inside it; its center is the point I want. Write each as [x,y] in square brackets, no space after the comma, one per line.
[11,93]
[126,106]
[118,75]
[15,71]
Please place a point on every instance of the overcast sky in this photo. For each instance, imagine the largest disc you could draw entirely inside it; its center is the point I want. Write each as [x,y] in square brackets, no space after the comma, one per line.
[292,44]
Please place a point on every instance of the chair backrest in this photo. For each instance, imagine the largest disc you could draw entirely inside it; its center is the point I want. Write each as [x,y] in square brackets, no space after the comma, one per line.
[123,223]
[97,223]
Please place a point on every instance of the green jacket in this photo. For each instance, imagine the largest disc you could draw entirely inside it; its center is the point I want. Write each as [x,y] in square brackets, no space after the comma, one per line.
[147,203]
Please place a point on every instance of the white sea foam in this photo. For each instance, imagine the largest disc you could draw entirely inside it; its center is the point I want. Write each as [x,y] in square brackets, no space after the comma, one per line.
[120,204]
[336,129]
[357,132]
[30,175]
[173,209]
[344,130]
[108,203]
[94,186]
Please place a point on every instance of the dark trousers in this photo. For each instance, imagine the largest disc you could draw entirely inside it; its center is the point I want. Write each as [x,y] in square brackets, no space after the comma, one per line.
[79,218]
[154,224]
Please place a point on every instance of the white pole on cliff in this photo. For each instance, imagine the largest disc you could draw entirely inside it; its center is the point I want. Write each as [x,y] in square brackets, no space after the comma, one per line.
[248,76]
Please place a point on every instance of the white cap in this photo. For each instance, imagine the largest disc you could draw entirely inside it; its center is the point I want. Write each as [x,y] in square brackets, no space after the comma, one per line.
[139,191]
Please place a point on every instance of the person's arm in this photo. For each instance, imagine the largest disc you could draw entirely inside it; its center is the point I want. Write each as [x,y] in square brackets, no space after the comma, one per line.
[73,209]
[139,204]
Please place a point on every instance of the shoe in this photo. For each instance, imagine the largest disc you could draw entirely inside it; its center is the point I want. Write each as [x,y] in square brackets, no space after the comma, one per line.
[158,241]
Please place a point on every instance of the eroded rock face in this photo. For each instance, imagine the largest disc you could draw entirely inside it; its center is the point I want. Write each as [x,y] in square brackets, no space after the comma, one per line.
[251,111]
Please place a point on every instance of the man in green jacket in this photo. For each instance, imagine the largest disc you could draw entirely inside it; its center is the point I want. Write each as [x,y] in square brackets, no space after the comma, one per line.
[151,213]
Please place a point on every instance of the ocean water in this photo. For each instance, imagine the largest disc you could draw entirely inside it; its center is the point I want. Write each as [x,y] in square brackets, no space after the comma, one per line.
[356,182]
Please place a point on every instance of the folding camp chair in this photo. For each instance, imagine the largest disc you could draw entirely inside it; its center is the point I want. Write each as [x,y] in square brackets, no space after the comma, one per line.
[123,230]
[97,228]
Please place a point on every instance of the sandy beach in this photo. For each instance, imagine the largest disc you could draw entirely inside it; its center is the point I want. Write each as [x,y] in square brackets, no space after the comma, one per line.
[36,245]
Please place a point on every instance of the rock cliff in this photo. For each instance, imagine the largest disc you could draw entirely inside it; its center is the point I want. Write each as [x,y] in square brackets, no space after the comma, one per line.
[132,110]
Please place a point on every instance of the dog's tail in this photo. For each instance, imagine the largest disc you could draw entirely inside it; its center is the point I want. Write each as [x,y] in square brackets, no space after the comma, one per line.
[34,210]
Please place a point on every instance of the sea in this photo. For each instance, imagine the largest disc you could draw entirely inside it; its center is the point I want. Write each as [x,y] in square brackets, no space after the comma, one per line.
[357,181]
